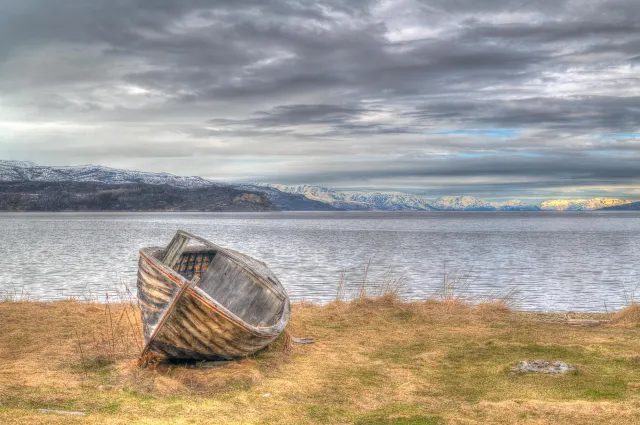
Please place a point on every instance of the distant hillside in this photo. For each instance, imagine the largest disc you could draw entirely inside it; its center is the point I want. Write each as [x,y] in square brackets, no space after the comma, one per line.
[462,203]
[582,204]
[516,205]
[290,201]
[395,201]
[17,171]
[632,206]
[390,201]
[23,171]
[91,196]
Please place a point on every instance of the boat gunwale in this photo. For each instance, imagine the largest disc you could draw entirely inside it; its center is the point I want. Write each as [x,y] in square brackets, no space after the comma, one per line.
[259,331]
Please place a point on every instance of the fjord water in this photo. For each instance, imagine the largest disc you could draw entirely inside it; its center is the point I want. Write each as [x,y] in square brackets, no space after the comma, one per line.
[577,261]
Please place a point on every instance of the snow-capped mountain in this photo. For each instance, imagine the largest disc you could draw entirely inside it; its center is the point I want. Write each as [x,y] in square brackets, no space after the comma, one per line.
[471,203]
[318,193]
[17,171]
[582,204]
[462,203]
[24,171]
[289,201]
[382,201]
[394,201]
[515,205]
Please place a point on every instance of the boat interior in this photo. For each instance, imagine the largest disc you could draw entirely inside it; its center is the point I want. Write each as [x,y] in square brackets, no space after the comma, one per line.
[252,297]
[194,262]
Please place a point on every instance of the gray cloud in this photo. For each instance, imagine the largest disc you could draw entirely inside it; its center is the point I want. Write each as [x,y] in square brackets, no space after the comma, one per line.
[500,96]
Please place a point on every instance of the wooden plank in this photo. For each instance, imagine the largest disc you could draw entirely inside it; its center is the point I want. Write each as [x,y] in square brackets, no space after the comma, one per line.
[155,292]
[196,331]
[167,312]
[240,292]
[175,248]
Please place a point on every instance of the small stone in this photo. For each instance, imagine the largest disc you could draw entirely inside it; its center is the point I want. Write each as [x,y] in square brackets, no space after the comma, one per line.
[267,395]
[543,367]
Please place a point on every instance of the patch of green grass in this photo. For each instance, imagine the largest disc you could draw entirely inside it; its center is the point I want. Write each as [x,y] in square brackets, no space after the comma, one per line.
[474,352]
[474,372]
[37,399]
[332,393]
[111,407]
[606,389]
[326,414]
[368,376]
[411,420]
[402,353]
[399,414]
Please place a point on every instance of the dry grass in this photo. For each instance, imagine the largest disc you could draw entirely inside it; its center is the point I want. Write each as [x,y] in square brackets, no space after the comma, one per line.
[374,282]
[376,361]
[629,315]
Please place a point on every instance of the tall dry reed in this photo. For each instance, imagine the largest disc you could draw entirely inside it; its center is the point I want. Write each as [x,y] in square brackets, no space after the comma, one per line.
[119,336]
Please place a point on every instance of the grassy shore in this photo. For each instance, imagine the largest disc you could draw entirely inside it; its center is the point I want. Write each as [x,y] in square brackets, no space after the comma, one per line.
[375,362]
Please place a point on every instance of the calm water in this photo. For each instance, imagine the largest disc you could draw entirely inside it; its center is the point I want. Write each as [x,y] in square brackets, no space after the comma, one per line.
[559,261]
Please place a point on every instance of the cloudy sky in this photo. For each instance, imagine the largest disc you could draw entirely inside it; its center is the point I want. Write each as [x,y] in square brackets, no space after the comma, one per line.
[493,98]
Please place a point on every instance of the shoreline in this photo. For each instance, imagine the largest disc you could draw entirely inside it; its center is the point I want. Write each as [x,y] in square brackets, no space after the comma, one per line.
[398,212]
[307,303]
[117,300]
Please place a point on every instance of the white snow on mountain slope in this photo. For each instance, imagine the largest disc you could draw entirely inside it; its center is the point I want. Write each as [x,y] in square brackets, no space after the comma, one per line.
[29,171]
[582,204]
[462,203]
[392,201]
[515,205]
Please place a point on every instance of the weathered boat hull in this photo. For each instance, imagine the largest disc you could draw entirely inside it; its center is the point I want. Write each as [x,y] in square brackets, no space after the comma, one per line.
[182,321]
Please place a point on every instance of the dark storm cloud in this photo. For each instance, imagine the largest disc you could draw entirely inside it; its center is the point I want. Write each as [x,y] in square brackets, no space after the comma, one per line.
[510,94]
[578,113]
[292,115]
[581,169]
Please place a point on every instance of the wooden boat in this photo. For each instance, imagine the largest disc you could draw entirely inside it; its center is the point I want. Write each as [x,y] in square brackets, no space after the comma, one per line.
[207,302]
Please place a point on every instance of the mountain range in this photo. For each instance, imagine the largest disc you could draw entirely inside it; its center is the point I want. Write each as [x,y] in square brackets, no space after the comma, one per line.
[633,206]
[94,196]
[394,201]
[29,171]
[25,171]
[42,181]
